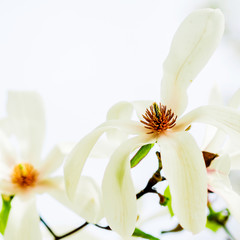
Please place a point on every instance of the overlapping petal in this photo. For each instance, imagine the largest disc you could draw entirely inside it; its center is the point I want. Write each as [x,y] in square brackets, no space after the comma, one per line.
[185,170]
[219,183]
[27,121]
[192,46]
[119,196]
[224,118]
[76,159]
[88,199]
[23,221]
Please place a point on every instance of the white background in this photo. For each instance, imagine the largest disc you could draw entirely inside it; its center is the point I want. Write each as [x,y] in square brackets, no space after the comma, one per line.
[84,56]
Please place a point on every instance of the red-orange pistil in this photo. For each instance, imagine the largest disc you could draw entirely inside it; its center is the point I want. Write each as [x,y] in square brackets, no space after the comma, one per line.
[24,175]
[158,118]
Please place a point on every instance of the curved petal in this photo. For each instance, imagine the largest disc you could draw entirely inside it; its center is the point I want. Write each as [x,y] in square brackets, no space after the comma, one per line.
[216,143]
[219,183]
[224,118]
[235,160]
[55,159]
[119,111]
[76,159]
[193,44]
[141,106]
[27,121]
[23,221]
[185,171]
[88,199]
[235,100]
[119,198]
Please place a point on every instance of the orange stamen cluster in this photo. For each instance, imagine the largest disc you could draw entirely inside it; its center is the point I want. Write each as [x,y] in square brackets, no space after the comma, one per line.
[158,118]
[24,175]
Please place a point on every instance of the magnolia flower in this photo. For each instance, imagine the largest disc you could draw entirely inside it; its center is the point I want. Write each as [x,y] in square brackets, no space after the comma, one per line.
[24,175]
[226,157]
[183,163]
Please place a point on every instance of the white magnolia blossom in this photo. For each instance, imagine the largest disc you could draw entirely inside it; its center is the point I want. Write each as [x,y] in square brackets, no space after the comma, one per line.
[228,158]
[183,163]
[24,175]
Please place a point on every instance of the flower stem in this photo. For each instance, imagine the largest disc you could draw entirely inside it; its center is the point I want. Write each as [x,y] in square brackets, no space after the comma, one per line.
[66,234]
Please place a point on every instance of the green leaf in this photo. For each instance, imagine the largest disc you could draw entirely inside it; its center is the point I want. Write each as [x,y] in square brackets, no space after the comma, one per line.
[140,233]
[169,202]
[141,153]
[212,225]
[6,207]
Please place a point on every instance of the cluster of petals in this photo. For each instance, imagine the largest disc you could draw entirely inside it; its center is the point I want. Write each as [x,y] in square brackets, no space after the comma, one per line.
[24,175]
[183,163]
[228,158]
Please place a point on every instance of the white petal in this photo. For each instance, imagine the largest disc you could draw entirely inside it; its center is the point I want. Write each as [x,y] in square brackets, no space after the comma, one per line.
[224,118]
[87,202]
[119,111]
[221,164]
[235,160]
[23,222]
[219,183]
[119,196]
[141,106]
[216,143]
[235,100]
[193,44]
[76,159]
[8,153]
[27,122]
[185,171]
[53,161]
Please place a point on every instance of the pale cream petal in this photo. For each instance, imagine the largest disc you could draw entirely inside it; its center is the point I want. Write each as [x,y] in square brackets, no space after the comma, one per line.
[54,160]
[27,121]
[119,198]
[119,111]
[88,199]
[235,100]
[216,143]
[224,118]
[76,159]
[185,170]
[235,160]
[141,106]
[215,97]
[219,183]
[193,44]
[23,222]
[7,151]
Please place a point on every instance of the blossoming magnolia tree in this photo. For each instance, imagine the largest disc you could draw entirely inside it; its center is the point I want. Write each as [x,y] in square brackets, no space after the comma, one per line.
[192,173]
[161,124]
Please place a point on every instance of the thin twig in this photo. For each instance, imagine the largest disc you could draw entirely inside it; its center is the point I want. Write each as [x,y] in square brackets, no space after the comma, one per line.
[56,237]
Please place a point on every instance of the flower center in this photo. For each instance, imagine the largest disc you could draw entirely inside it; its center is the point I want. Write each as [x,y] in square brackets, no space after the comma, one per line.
[158,118]
[24,175]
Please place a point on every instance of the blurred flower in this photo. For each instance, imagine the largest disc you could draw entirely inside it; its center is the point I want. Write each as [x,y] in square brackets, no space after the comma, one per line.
[183,164]
[227,158]
[24,175]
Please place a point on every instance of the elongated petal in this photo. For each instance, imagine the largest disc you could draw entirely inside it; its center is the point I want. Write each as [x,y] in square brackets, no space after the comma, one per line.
[27,122]
[23,222]
[235,100]
[119,196]
[54,160]
[193,44]
[219,183]
[221,117]
[87,202]
[76,159]
[141,106]
[235,160]
[119,111]
[185,171]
